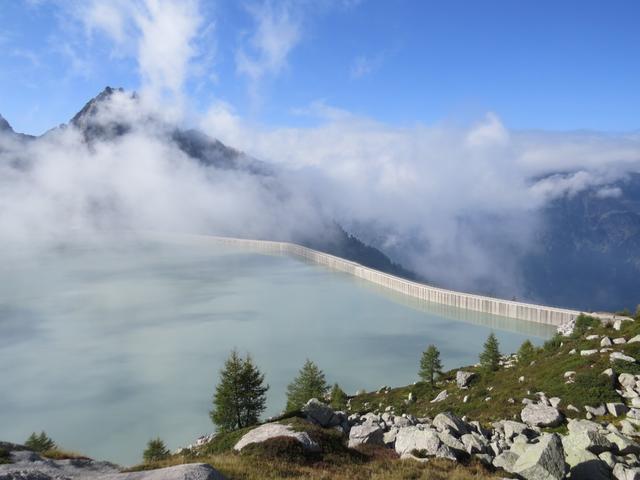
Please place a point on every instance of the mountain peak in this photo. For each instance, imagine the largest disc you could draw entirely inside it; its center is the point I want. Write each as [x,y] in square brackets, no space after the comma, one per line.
[4,125]
[91,106]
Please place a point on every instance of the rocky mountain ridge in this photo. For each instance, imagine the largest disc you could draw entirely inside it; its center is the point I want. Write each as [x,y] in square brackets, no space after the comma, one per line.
[99,120]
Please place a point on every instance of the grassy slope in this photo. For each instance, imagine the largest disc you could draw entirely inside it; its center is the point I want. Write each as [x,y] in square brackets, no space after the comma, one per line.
[545,373]
[282,458]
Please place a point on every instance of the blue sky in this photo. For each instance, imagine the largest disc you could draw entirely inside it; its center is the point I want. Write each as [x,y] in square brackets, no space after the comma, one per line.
[537,64]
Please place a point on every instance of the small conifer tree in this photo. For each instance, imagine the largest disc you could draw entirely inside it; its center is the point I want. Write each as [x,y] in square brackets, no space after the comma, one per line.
[526,352]
[240,396]
[40,442]
[310,383]
[156,450]
[430,365]
[490,357]
[338,398]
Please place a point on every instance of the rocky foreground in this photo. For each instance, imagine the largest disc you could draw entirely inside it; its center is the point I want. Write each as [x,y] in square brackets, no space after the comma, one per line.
[572,410]
[549,438]
[589,450]
[26,464]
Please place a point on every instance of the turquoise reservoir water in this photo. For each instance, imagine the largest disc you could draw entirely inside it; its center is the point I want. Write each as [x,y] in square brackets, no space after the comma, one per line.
[106,347]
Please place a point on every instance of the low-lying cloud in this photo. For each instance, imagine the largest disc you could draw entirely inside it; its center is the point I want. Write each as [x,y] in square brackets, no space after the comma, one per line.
[460,205]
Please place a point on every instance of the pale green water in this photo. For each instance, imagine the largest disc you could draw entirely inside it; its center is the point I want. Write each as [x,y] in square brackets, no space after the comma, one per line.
[106,348]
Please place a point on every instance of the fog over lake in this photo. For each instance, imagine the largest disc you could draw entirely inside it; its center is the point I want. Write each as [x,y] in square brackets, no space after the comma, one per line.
[105,347]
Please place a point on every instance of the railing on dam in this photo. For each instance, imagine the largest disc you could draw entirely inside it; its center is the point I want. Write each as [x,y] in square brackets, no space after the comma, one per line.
[478,303]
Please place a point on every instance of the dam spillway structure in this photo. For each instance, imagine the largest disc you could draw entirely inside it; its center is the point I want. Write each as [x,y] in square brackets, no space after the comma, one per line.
[466,301]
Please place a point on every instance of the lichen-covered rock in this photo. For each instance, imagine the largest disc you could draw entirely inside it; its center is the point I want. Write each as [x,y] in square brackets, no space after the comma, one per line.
[593,441]
[449,421]
[414,438]
[389,438]
[425,441]
[617,408]
[440,397]
[29,465]
[584,465]
[538,415]
[452,442]
[190,471]
[598,411]
[321,414]
[474,442]
[583,426]
[623,472]
[621,357]
[272,430]
[506,461]
[463,378]
[366,435]
[543,460]
[606,342]
[512,428]
[623,445]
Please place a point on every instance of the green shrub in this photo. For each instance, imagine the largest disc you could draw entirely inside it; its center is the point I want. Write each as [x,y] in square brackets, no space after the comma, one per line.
[526,353]
[40,442]
[593,388]
[224,441]
[338,398]
[156,450]
[310,383]
[5,456]
[553,344]
[278,448]
[583,323]
[419,453]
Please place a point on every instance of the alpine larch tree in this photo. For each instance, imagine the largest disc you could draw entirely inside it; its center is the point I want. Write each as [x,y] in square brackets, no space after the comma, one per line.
[490,356]
[430,365]
[310,383]
[240,396]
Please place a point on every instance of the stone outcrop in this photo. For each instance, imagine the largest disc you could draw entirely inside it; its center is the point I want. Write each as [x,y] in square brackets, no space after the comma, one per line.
[191,471]
[540,415]
[464,378]
[543,460]
[449,421]
[28,465]
[272,430]
[366,435]
[322,415]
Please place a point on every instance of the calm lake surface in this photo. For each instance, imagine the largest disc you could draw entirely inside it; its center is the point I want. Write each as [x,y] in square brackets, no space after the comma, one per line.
[105,348]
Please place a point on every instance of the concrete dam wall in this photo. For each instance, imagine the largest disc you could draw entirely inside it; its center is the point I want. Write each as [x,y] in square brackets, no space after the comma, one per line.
[466,301]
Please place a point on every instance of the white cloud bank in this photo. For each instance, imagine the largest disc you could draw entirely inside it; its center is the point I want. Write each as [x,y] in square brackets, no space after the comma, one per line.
[164,36]
[456,204]
[450,202]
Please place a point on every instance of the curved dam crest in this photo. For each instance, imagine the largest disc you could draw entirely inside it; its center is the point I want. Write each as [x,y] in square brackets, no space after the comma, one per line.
[466,301]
